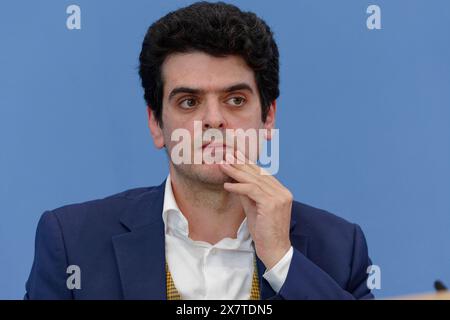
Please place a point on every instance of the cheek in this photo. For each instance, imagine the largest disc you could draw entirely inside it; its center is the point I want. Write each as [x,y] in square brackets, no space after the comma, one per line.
[249,117]
[175,133]
[245,122]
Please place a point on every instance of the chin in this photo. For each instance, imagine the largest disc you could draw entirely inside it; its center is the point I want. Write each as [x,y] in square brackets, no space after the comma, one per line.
[205,173]
[211,174]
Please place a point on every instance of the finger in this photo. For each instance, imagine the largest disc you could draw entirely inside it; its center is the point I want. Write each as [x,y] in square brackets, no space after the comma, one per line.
[241,159]
[239,175]
[257,169]
[246,189]
[272,185]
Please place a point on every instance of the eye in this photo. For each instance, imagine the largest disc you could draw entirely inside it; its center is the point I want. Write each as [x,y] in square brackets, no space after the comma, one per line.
[236,101]
[188,103]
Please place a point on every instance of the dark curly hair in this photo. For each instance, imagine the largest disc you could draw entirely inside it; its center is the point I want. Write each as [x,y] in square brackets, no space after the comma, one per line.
[218,29]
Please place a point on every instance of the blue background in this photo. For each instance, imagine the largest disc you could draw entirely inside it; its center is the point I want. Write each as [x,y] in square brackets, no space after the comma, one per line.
[363,115]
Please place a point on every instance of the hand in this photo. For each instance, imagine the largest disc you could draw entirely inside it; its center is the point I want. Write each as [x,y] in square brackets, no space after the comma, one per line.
[267,205]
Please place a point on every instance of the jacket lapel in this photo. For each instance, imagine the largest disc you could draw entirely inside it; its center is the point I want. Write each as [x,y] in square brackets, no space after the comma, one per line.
[140,253]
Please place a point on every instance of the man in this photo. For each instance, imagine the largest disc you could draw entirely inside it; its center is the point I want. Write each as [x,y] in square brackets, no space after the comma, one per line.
[221,230]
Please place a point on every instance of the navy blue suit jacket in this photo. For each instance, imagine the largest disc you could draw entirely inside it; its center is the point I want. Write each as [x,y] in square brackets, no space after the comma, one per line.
[118,243]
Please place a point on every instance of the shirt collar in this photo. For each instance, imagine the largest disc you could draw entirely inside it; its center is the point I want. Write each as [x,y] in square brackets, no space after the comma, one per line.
[176,224]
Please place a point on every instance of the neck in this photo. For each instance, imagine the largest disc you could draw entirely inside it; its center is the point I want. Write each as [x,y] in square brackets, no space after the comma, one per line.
[212,213]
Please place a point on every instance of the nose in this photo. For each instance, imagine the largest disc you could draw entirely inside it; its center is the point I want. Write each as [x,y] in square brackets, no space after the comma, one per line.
[213,117]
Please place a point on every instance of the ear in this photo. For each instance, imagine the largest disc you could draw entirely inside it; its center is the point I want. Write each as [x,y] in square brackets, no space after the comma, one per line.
[155,129]
[270,119]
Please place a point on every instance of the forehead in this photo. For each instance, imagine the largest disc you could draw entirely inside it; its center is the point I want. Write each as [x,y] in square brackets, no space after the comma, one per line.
[203,71]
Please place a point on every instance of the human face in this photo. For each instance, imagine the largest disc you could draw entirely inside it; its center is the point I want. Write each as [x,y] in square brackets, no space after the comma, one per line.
[221,92]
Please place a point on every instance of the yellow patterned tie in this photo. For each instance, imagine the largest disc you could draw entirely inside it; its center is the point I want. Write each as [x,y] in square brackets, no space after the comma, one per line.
[173,294]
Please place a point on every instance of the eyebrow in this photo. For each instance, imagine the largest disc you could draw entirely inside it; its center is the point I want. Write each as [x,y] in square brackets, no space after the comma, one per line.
[235,87]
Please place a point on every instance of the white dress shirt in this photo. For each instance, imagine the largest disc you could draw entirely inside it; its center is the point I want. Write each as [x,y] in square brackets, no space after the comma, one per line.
[201,270]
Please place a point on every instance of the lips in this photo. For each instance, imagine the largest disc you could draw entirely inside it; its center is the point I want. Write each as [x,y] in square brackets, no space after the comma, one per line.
[214,145]
[217,149]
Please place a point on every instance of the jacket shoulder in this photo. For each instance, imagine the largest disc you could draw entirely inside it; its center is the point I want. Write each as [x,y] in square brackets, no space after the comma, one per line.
[311,219]
[330,237]
[98,212]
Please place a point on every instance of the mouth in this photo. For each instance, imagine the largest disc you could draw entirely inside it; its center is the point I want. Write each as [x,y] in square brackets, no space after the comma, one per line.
[214,145]
[217,150]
